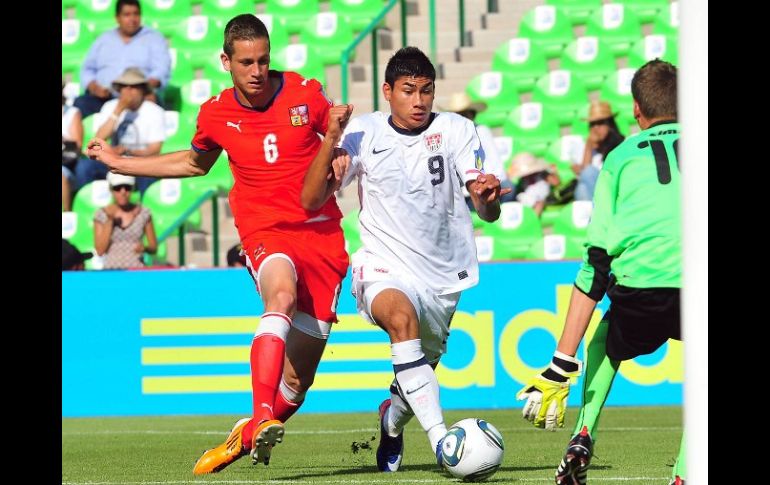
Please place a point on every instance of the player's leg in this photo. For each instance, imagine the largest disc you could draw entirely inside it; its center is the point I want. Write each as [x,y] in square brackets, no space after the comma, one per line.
[396,313]
[276,282]
[303,354]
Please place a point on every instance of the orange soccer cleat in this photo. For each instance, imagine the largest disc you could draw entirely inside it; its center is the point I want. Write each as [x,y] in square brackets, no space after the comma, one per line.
[218,458]
[266,435]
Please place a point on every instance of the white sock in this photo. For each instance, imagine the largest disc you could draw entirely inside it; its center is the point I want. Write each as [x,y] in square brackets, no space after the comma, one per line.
[399,412]
[419,387]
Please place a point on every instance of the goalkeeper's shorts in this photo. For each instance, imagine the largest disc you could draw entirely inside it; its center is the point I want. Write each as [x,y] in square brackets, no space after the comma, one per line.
[641,320]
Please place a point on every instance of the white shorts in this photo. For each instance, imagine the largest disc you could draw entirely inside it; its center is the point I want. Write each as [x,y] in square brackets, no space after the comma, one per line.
[372,275]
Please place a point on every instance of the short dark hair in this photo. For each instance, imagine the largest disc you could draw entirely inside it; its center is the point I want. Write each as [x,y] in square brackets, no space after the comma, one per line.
[411,62]
[121,3]
[244,27]
[654,89]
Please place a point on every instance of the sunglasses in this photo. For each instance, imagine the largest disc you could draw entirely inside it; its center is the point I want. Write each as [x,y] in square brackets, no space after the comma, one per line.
[605,121]
[118,188]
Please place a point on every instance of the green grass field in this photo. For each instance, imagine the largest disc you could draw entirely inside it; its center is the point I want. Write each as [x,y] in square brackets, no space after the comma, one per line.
[636,446]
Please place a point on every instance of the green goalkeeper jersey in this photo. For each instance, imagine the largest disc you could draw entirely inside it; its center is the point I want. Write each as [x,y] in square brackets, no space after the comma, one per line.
[635,229]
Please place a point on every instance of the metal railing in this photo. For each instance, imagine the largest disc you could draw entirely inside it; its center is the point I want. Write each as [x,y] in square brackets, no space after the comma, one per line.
[371,28]
[178,225]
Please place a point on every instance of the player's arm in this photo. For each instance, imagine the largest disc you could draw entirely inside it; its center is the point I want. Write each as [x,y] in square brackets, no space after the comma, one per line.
[325,173]
[485,194]
[184,163]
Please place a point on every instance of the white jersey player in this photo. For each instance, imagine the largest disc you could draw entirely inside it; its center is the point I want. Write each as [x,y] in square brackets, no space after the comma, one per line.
[418,251]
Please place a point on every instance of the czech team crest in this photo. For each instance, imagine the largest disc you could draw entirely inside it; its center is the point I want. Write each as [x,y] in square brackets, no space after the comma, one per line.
[433,142]
[299,115]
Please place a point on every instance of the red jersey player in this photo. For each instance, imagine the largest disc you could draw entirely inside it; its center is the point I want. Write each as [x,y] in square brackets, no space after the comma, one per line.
[268,123]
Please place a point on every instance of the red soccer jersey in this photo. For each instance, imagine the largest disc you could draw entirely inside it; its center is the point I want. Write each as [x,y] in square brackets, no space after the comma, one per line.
[270,150]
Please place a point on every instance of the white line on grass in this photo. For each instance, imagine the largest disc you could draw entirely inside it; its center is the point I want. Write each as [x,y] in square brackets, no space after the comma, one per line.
[366,481]
[333,431]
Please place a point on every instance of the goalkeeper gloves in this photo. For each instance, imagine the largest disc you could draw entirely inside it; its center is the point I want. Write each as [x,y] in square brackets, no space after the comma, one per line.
[546,393]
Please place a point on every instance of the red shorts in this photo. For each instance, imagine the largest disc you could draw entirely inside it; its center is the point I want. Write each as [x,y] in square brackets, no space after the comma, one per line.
[317,252]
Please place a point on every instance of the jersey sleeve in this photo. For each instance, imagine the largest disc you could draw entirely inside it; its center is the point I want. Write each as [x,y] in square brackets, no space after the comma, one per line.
[319,106]
[352,142]
[594,274]
[202,141]
[468,155]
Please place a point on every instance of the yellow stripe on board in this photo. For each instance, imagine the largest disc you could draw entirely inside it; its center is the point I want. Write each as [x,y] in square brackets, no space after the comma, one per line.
[231,354]
[199,326]
[239,354]
[333,381]
[233,325]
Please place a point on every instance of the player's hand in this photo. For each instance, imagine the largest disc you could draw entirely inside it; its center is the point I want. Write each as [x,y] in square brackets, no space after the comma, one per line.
[487,188]
[338,120]
[547,393]
[100,150]
[340,164]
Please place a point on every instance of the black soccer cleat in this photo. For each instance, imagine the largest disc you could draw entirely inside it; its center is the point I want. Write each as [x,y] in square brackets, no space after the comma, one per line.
[573,469]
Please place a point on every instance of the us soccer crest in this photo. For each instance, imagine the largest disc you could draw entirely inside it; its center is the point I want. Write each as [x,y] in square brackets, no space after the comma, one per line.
[299,115]
[433,142]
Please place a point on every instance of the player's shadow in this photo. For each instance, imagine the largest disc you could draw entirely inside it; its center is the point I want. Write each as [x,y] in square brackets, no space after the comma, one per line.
[426,467]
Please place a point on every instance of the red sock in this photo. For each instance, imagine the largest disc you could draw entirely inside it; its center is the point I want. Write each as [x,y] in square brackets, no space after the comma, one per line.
[267,355]
[284,409]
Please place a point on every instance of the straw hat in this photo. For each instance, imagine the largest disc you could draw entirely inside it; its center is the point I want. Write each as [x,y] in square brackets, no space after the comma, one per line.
[526,164]
[132,76]
[462,102]
[599,110]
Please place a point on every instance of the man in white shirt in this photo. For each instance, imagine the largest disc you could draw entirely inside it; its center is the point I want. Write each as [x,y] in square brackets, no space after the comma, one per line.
[134,125]
[418,250]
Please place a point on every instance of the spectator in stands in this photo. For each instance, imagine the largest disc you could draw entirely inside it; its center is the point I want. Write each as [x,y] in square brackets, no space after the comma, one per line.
[535,180]
[71,258]
[462,104]
[71,143]
[130,44]
[119,227]
[133,124]
[234,257]
[603,137]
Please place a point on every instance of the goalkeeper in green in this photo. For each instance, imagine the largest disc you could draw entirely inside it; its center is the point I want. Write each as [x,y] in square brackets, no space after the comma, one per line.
[633,253]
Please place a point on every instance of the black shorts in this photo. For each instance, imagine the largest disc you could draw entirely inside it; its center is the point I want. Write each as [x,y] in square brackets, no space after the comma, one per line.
[641,320]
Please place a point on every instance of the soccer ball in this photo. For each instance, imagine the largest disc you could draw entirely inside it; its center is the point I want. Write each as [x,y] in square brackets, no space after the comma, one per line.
[472,450]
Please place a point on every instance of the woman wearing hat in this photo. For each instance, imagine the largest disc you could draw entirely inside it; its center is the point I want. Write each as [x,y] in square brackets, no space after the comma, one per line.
[119,227]
[603,137]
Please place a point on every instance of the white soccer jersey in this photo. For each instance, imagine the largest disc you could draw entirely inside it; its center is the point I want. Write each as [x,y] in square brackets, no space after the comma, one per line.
[413,213]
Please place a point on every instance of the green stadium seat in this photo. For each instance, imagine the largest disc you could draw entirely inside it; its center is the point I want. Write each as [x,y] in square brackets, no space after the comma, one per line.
[573,220]
[166,15]
[97,15]
[180,130]
[279,36]
[522,60]
[214,70]
[351,230]
[198,37]
[548,27]
[91,197]
[645,10]
[69,3]
[590,59]
[617,26]
[484,247]
[227,9]
[498,92]
[198,91]
[652,47]
[219,178]
[532,127]
[327,34]
[554,247]
[627,123]
[577,11]
[78,230]
[667,21]
[293,13]
[168,199]
[565,152]
[616,90]
[514,232]
[76,39]
[562,93]
[299,58]
[358,13]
